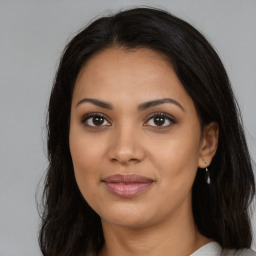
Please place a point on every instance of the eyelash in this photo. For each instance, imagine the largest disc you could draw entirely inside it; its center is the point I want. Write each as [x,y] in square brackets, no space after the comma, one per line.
[152,116]
[92,115]
[162,115]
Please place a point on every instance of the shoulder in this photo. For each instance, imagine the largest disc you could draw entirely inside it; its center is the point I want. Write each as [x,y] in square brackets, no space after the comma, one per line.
[241,252]
[214,249]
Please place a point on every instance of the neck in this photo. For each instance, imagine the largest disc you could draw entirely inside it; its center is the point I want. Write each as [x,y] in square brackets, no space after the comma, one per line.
[176,237]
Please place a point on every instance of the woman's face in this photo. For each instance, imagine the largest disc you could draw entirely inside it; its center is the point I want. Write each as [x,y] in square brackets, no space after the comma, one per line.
[135,138]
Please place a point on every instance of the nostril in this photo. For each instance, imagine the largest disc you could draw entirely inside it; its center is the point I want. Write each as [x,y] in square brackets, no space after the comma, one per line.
[133,160]
[124,160]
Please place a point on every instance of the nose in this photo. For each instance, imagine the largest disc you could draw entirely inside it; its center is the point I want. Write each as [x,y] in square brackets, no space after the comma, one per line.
[126,146]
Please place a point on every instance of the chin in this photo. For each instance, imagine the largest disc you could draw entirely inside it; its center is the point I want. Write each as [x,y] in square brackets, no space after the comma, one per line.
[128,222]
[129,216]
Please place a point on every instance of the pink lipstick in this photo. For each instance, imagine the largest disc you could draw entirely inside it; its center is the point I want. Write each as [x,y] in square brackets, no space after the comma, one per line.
[128,185]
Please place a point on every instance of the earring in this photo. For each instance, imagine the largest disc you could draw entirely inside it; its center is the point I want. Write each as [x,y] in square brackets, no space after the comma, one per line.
[207,174]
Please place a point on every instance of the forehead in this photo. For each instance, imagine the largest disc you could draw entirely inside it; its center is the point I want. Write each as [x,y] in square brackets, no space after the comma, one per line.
[129,75]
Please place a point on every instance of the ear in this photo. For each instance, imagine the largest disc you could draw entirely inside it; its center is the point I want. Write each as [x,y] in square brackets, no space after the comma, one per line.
[209,144]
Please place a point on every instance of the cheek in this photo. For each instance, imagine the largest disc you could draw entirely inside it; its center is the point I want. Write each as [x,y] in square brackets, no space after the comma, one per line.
[177,162]
[85,151]
[85,156]
[177,167]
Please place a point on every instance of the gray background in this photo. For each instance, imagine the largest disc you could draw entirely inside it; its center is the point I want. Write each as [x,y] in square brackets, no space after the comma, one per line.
[32,36]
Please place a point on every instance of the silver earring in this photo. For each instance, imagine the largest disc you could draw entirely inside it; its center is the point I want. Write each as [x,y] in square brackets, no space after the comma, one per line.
[207,174]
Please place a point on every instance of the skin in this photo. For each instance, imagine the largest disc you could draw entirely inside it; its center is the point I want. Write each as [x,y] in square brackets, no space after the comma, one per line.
[159,220]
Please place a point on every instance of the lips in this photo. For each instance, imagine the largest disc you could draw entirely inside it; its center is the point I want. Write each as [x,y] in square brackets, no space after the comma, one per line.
[127,185]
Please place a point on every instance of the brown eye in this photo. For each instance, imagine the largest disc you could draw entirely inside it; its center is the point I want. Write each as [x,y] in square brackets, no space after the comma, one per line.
[160,120]
[95,120]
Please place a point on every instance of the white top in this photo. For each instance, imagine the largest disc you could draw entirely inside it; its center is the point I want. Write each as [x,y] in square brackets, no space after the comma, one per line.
[214,249]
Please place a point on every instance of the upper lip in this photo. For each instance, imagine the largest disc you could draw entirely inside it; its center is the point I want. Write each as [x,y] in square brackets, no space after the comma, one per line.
[127,178]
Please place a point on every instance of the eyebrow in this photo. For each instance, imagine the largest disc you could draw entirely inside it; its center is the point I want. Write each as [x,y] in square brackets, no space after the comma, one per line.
[141,107]
[153,103]
[98,103]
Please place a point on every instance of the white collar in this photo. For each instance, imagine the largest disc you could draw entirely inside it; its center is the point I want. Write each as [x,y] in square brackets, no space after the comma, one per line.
[210,249]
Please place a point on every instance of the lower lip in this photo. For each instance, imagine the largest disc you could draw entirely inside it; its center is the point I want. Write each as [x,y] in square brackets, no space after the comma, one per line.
[127,190]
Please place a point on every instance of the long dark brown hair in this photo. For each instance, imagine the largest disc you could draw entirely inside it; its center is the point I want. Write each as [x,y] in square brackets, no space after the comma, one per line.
[220,210]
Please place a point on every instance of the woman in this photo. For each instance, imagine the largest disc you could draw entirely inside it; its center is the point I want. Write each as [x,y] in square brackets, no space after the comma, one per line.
[147,154]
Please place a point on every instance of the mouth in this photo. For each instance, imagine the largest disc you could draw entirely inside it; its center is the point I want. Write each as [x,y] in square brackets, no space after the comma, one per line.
[128,185]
